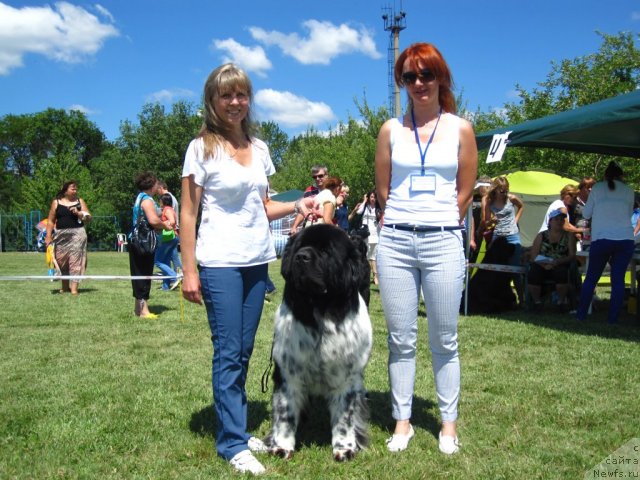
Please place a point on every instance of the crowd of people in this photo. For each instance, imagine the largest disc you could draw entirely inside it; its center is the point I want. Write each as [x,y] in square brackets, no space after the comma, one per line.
[591,225]
[413,221]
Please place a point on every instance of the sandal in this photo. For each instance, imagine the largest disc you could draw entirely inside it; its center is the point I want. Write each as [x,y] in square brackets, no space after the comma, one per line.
[399,442]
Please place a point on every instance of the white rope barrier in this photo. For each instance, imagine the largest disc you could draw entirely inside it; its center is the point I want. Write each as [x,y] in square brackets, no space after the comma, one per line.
[497,268]
[89,277]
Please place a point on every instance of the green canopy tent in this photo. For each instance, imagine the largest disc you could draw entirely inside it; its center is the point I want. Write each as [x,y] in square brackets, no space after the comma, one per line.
[288,196]
[611,127]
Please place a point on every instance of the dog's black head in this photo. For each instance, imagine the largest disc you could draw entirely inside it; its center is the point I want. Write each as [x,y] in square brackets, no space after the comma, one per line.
[323,270]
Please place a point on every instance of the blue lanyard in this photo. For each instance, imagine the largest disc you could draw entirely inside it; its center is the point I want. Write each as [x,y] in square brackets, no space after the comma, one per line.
[423,155]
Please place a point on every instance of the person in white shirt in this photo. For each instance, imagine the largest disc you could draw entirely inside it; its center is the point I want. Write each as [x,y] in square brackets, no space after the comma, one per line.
[609,207]
[370,211]
[225,173]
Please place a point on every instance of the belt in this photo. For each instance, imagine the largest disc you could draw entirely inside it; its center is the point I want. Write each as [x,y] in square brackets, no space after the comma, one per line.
[424,228]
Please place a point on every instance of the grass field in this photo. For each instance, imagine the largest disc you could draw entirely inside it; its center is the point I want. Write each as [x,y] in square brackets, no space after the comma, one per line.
[89,391]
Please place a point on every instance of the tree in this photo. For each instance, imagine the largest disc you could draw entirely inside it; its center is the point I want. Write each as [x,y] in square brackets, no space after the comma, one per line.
[158,143]
[276,140]
[38,191]
[348,151]
[26,140]
[614,69]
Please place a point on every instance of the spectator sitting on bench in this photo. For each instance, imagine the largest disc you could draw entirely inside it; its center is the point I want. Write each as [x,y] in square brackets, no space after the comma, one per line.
[552,252]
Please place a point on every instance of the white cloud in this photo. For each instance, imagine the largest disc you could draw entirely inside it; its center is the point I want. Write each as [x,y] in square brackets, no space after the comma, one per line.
[105,13]
[635,16]
[325,42]
[513,94]
[291,110]
[65,33]
[81,108]
[252,59]
[169,95]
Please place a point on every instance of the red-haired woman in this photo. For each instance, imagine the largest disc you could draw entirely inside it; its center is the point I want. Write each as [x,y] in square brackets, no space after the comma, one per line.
[426,164]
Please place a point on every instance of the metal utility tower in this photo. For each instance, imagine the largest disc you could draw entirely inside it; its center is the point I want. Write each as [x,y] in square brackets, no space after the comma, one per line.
[395,24]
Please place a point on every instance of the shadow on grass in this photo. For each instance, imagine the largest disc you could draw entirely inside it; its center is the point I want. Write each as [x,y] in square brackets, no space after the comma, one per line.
[203,422]
[628,327]
[314,427]
[56,291]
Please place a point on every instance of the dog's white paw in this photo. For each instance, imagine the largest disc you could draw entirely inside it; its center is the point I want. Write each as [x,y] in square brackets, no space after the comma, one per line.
[343,454]
[281,452]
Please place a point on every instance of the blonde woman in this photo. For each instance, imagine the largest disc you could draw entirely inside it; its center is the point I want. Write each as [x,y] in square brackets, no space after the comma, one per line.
[225,174]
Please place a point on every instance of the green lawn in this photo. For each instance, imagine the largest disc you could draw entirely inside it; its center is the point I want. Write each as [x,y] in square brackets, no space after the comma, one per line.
[89,391]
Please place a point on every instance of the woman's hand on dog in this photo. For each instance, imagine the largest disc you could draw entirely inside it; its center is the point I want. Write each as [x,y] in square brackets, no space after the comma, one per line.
[308,206]
[191,287]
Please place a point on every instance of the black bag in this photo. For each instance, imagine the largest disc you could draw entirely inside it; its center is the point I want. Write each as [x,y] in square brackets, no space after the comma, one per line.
[362,231]
[143,237]
[359,229]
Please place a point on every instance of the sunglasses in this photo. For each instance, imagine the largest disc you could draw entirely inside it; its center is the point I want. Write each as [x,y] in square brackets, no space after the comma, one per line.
[321,175]
[425,75]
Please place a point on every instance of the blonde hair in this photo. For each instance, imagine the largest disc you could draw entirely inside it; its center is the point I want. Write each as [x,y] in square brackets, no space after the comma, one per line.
[498,183]
[226,78]
[569,190]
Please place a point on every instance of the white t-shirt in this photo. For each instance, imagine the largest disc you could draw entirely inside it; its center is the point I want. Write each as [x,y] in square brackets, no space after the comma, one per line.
[234,230]
[370,219]
[609,211]
[556,204]
[325,196]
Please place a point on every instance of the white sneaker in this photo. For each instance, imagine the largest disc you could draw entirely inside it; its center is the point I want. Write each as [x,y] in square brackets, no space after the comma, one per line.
[245,462]
[256,445]
[399,442]
[448,445]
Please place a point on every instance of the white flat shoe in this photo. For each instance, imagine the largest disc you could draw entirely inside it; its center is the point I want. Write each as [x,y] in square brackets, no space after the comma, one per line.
[448,445]
[399,442]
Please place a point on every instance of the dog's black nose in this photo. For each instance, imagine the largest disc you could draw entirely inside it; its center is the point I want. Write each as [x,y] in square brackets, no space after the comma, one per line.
[303,257]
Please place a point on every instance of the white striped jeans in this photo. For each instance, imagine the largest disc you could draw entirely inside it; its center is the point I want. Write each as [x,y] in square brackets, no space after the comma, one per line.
[434,261]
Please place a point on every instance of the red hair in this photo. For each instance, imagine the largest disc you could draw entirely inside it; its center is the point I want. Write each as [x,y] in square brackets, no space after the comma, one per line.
[426,55]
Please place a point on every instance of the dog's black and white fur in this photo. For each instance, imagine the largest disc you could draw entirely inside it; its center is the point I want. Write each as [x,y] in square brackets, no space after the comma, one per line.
[322,339]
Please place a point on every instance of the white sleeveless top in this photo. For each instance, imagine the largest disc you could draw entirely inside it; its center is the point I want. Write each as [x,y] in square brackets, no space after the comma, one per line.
[433,208]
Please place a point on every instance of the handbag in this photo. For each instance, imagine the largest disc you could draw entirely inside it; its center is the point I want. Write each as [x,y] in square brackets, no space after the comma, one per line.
[362,231]
[143,237]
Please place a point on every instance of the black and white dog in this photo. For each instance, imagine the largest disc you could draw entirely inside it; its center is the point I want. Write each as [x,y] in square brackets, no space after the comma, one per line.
[322,339]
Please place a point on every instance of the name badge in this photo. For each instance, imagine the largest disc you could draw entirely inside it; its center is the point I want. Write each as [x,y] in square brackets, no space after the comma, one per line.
[423,183]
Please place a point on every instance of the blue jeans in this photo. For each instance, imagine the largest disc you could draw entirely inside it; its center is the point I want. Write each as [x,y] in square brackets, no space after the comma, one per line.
[175,259]
[618,254]
[515,260]
[234,297]
[164,254]
[434,262]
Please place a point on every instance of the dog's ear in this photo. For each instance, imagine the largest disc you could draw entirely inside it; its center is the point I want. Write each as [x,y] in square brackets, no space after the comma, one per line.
[287,255]
[361,245]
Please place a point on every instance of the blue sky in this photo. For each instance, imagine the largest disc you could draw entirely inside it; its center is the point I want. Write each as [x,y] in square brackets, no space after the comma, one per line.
[307,60]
